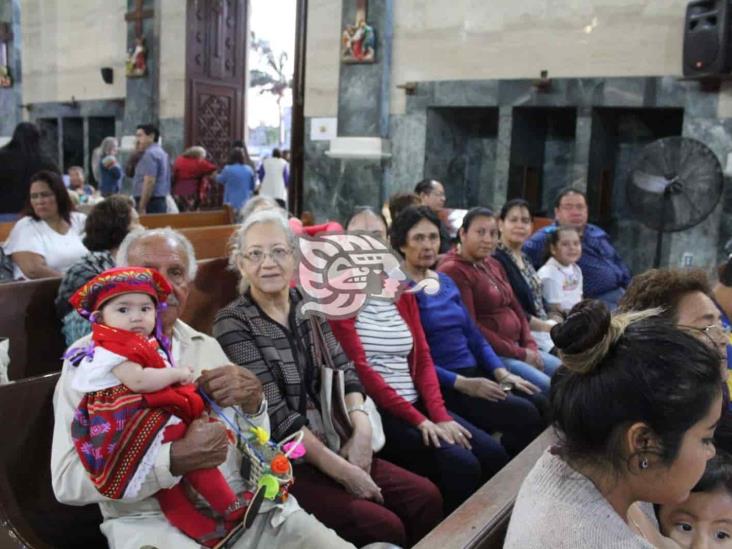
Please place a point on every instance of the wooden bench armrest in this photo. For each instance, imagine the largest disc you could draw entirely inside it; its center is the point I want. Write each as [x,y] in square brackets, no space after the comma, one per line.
[482,520]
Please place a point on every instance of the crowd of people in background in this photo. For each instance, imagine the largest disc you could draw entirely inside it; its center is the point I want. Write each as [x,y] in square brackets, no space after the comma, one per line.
[50,206]
[463,377]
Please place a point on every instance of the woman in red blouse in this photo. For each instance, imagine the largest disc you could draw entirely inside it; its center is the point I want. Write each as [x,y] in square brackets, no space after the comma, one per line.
[189,169]
[489,298]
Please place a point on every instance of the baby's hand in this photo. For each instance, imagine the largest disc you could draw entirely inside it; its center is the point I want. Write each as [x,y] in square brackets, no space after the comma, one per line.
[186,374]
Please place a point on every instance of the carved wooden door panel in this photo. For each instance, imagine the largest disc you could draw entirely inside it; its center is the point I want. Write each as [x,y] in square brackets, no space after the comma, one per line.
[215,78]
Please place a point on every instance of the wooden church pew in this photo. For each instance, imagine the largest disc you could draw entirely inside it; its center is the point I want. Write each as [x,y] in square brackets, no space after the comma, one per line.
[224,216]
[206,218]
[481,522]
[5,228]
[29,318]
[29,512]
[210,242]
[541,222]
[213,289]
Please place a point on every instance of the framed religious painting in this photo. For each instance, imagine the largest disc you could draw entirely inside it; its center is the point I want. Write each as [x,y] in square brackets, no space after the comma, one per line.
[6,35]
[358,41]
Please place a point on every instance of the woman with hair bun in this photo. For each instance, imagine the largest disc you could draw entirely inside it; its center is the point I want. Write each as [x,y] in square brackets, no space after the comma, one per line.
[635,409]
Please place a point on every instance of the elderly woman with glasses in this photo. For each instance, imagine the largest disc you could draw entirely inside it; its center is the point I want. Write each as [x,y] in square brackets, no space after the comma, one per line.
[363,498]
[685,297]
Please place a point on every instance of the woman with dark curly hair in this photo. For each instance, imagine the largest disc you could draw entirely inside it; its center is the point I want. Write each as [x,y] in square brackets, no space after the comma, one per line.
[106,227]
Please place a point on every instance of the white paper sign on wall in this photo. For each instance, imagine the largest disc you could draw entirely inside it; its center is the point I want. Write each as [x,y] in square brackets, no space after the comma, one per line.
[323,129]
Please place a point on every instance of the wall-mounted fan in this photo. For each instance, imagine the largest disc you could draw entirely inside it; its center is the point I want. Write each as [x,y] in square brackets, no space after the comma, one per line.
[675,183]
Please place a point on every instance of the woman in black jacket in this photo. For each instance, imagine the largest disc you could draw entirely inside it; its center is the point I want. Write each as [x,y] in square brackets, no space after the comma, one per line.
[515,223]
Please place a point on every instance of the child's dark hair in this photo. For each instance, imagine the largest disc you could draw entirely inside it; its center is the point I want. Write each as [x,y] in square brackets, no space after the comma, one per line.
[620,370]
[718,474]
[552,238]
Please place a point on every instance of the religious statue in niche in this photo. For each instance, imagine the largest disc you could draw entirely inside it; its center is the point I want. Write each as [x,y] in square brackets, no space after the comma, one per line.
[359,41]
[136,66]
[6,80]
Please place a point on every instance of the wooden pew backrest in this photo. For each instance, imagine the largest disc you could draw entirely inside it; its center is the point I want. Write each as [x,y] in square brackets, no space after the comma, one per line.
[481,521]
[5,228]
[28,318]
[209,242]
[28,508]
[541,222]
[225,216]
[207,218]
[213,289]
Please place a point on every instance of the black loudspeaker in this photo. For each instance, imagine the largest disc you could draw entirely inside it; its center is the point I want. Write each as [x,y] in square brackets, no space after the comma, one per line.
[107,74]
[707,38]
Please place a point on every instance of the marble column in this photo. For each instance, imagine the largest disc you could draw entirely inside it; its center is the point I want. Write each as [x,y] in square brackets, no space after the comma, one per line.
[582,142]
[11,98]
[503,156]
[141,106]
[333,186]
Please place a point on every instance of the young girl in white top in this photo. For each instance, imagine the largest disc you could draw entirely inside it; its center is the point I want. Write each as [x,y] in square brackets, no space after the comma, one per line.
[561,277]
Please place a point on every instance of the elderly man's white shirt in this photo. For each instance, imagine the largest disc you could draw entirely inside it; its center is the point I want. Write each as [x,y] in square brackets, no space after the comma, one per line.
[131,523]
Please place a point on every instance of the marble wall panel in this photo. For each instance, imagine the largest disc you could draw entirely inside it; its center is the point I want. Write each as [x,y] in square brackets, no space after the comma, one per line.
[332,187]
[413,138]
[408,138]
[707,240]
[171,132]
[363,108]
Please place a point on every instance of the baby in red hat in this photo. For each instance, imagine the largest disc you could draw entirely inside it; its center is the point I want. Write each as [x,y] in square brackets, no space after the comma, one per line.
[135,400]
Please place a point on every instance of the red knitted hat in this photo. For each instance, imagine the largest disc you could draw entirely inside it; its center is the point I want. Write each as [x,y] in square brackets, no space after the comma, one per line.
[117,281]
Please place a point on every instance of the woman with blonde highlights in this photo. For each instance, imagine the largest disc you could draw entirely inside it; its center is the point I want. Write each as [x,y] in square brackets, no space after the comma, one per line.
[635,407]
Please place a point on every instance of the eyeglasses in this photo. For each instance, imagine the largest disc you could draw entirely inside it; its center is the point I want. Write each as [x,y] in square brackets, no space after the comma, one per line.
[41,195]
[716,333]
[278,255]
[570,207]
[421,238]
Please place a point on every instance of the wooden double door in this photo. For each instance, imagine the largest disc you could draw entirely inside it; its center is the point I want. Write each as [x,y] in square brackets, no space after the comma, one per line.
[216,72]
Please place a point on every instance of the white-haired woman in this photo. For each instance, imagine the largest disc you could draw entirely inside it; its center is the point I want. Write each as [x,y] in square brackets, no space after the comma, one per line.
[364,499]
[189,169]
[106,168]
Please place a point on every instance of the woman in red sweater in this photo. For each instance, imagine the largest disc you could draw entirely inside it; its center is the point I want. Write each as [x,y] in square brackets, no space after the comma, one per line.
[489,298]
[388,346]
[189,169]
